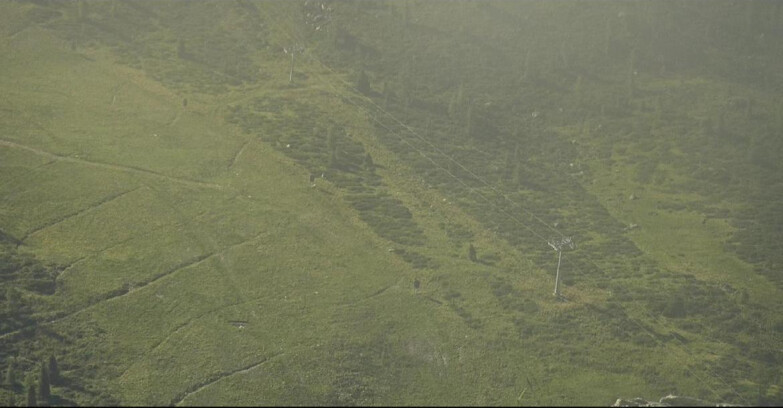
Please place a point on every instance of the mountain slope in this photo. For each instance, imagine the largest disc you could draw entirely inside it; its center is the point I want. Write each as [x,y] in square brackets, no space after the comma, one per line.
[217,234]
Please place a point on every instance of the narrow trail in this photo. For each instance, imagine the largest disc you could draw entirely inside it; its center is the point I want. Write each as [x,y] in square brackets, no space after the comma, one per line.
[378,292]
[116,167]
[181,397]
[121,293]
[370,296]
[74,263]
[114,295]
[69,267]
[239,153]
[38,167]
[178,329]
[112,246]
[217,377]
[176,118]
[77,213]
[182,326]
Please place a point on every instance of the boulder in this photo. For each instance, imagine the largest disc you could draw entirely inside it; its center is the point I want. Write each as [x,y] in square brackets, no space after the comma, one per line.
[668,401]
[636,402]
[677,401]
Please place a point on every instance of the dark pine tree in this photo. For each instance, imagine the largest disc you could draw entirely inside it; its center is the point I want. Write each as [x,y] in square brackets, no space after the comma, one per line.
[368,163]
[54,371]
[44,390]
[331,145]
[31,400]
[181,51]
[363,83]
[10,375]
[472,253]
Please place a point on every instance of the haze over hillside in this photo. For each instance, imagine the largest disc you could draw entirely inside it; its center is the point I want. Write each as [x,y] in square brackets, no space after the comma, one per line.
[356,202]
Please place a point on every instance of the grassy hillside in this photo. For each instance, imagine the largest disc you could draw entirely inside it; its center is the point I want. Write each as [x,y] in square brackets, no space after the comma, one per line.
[187,221]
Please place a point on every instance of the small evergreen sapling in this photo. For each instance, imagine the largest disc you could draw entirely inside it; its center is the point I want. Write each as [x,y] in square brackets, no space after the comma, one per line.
[363,83]
[368,163]
[31,399]
[10,375]
[54,371]
[44,390]
[472,253]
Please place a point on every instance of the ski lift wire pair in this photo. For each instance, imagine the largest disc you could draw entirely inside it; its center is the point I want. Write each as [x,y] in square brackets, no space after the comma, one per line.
[337,93]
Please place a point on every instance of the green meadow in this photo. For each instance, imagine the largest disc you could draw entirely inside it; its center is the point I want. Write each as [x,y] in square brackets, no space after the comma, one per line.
[191,216]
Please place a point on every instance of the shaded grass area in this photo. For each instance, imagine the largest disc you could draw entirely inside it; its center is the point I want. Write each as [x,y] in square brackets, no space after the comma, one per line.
[325,148]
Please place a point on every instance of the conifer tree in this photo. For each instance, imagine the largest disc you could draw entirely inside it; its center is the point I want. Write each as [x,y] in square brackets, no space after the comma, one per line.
[363,83]
[368,163]
[631,83]
[455,105]
[12,298]
[608,37]
[43,384]
[516,176]
[511,161]
[54,371]
[386,94]
[469,120]
[331,144]
[10,375]
[81,9]
[181,51]
[31,400]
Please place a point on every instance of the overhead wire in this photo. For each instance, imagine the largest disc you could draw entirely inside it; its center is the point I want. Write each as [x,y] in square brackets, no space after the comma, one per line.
[545,239]
[410,130]
[369,114]
[431,160]
[449,157]
[414,133]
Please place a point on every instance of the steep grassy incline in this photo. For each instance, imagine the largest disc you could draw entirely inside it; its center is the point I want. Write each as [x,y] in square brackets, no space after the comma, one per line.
[197,265]
[627,125]
[202,231]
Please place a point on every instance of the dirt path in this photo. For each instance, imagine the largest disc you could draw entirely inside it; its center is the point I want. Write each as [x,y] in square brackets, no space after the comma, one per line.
[119,294]
[217,377]
[66,217]
[239,153]
[116,167]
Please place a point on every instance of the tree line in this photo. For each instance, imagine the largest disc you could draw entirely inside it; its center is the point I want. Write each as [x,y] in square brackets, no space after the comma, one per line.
[37,389]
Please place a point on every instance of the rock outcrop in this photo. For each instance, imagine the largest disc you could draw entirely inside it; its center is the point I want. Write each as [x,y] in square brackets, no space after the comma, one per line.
[669,401]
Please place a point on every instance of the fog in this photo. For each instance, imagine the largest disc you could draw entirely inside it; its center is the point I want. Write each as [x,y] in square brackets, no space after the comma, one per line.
[324,202]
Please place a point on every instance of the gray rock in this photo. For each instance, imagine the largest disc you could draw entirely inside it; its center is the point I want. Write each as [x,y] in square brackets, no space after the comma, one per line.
[676,401]
[637,402]
[668,401]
